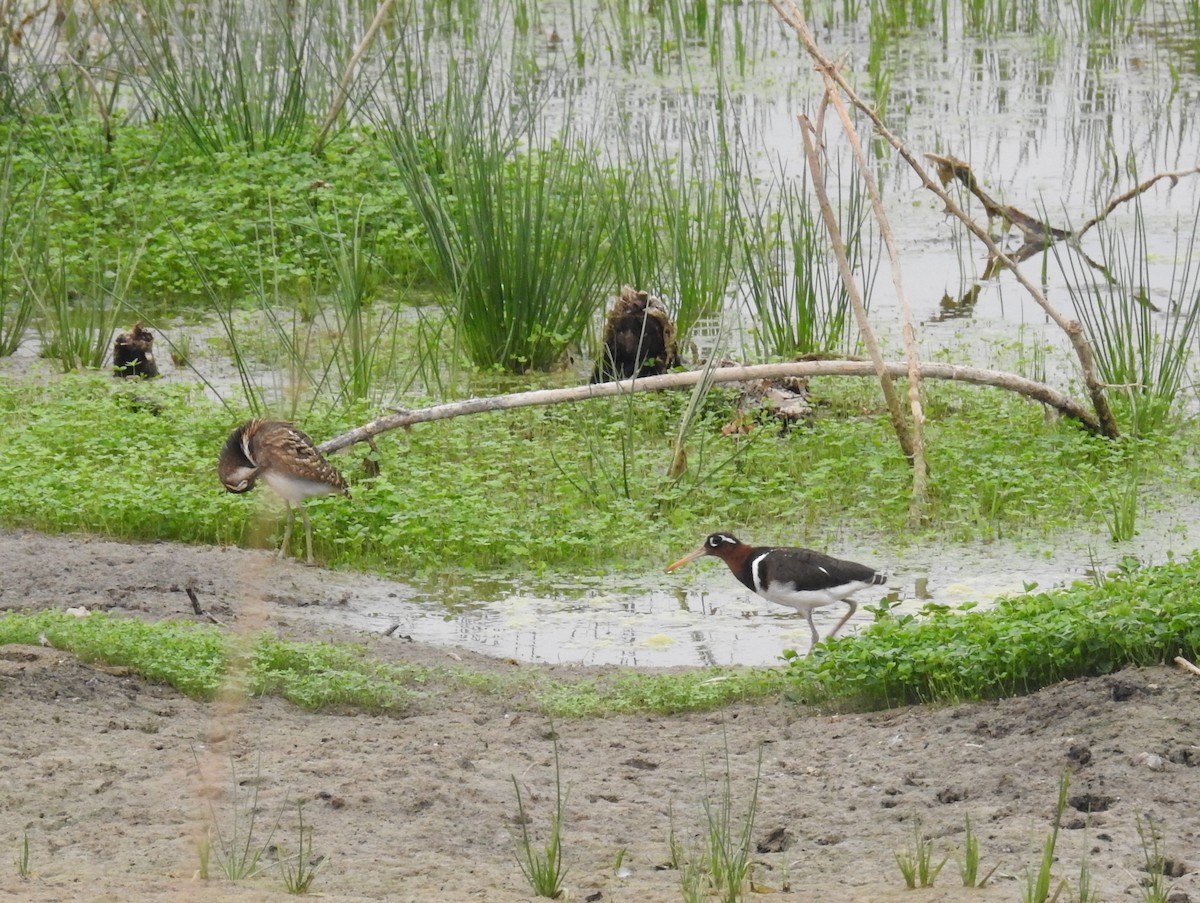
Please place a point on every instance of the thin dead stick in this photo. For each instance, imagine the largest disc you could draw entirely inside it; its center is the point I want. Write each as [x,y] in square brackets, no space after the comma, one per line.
[1134,192]
[920,493]
[794,18]
[1186,665]
[851,285]
[191,594]
[1037,235]
[343,90]
[542,397]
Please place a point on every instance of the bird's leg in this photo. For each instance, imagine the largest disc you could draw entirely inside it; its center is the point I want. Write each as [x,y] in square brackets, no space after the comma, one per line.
[307,533]
[842,623]
[813,627]
[287,530]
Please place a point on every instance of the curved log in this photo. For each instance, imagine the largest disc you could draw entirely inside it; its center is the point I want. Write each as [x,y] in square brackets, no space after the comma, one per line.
[539,397]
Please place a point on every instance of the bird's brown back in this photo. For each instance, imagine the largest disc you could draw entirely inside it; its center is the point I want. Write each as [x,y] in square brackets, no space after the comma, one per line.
[259,447]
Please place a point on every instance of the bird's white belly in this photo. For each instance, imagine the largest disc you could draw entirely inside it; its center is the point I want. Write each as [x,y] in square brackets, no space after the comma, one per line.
[296,489]
[807,600]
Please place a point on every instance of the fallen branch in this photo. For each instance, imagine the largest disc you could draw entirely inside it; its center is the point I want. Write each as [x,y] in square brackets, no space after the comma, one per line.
[1036,234]
[542,397]
[1134,192]
[1187,666]
[191,594]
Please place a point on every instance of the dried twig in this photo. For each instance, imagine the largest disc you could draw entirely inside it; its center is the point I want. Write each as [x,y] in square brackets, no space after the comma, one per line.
[343,89]
[808,132]
[1134,192]
[196,607]
[1187,666]
[1037,235]
[920,490]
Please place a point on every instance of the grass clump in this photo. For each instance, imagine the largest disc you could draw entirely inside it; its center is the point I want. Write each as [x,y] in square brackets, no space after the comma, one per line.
[1146,616]
[198,660]
[544,869]
[1037,886]
[237,850]
[320,675]
[1142,354]
[968,866]
[24,866]
[300,869]
[719,867]
[505,206]
[229,79]
[916,864]
[730,846]
[1154,885]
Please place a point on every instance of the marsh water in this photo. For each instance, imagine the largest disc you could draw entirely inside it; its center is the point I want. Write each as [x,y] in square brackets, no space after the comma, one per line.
[705,617]
[1057,107]
[1056,119]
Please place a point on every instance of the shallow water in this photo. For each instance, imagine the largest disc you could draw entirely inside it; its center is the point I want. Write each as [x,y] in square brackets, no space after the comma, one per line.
[700,615]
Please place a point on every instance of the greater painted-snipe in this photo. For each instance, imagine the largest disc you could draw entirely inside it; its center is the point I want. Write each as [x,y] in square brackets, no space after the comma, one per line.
[798,578]
[286,458]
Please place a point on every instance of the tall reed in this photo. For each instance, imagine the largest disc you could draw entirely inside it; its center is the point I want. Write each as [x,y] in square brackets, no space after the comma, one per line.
[77,315]
[1141,352]
[638,252]
[55,62]
[730,846]
[1111,18]
[18,231]
[697,199]
[362,355]
[272,365]
[229,76]
[798,302]
[517,218]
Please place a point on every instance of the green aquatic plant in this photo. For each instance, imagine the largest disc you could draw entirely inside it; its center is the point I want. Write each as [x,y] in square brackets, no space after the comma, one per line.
[512,213]
[229,80]
[798,301]
[1142,352]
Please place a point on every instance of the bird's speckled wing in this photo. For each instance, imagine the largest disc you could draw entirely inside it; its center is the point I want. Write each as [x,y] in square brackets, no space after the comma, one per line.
[280,446]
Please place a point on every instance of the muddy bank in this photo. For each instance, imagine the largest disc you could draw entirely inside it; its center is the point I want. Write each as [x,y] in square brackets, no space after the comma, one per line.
[114,780]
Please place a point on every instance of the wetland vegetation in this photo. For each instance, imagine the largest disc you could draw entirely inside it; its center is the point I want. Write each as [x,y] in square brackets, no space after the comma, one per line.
[324,211]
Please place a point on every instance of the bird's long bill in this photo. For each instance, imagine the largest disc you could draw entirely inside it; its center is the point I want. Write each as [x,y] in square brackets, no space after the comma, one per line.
[690,556]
